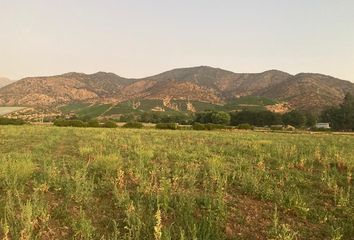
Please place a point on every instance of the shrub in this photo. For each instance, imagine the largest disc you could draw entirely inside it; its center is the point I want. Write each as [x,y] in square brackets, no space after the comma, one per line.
[198,126]
[69,123]
[212,126]
[10,121]
[109,124]
[184,127]
[133,125]
[93,124]
[208,126]
[171,126]
[245,126]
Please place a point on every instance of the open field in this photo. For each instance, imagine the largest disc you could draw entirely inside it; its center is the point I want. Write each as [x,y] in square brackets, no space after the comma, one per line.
[72,183]
[7,110]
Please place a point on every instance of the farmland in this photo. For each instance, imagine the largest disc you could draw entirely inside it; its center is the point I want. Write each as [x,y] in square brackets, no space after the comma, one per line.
[72,183]
[7,110]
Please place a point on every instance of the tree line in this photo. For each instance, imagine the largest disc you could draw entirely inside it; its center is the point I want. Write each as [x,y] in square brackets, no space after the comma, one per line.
[260,119]
[341,118]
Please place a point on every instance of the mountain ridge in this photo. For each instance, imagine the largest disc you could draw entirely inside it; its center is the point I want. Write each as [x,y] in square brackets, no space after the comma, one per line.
[305,91]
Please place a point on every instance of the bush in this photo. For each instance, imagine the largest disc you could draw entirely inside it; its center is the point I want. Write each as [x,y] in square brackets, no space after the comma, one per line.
[109,124]
[198,126]
[133,125]
[208,126]
[212,126]
[69,123]
[245,126]
[93,124]
[184,127]
[10,121]
[171,126]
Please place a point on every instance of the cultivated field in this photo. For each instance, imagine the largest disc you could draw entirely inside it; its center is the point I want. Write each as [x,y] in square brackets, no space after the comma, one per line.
[7,110]
[71,183]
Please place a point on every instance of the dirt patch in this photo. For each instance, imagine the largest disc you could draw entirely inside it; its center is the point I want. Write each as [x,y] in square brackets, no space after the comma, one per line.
[248,218]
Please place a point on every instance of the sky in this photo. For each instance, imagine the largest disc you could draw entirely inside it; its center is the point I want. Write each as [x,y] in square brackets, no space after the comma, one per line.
[139,38]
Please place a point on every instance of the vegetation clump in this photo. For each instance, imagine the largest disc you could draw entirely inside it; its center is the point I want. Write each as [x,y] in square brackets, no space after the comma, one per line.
[341,118]
[109,124]
[245,126]
[69,123]
[207,126]
[133,125]
[170,126]
[11,121]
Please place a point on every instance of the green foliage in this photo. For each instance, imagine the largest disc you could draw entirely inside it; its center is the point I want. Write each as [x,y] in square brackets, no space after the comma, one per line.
[69,123]
[73,107]
[10,121]
[171,126]
[245,126]
[294,118]
[260,119]
[208,126]
[109,124]
[311,119]
[93,123]
[220,118]
[133,125]
[341,118]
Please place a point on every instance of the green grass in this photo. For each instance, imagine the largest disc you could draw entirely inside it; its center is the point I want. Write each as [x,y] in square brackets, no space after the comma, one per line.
[127,107]
[74,107]
[146,105]
[93,111]
[72,183]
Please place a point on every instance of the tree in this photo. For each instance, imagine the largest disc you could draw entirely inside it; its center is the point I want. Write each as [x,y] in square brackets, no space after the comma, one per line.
[294,118]
[203,117]
[267,118]
[342,117]
[243,117]
[311,119]
[220,118]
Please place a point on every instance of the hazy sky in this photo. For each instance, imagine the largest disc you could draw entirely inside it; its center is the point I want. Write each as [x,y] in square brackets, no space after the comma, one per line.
[136,38]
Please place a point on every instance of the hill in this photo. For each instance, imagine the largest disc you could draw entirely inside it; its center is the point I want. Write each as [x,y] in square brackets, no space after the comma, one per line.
[306,91]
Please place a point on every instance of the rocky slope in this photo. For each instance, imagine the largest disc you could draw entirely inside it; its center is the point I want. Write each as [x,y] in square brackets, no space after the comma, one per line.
[304,91]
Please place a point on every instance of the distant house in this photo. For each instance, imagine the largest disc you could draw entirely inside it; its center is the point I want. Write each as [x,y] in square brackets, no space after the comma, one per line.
[322,125]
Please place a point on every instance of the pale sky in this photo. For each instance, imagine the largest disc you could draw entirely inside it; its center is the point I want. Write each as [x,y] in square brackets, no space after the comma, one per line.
[138,38]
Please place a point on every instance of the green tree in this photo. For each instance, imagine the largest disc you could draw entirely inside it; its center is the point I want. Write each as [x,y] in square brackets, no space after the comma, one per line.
[220,118]
[294,118]
[342,117]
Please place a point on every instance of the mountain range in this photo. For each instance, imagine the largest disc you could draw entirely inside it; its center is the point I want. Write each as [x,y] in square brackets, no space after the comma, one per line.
[305,91]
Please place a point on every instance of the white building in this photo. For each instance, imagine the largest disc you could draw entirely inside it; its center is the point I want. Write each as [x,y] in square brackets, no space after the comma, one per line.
[323,125]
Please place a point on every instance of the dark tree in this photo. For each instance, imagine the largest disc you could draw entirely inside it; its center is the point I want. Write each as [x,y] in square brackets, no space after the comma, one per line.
[342,117]
[294,118]
[220,118]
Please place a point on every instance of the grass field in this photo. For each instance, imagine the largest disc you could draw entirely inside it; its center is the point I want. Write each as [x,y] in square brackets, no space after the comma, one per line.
[251,103]
[71,183]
